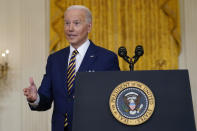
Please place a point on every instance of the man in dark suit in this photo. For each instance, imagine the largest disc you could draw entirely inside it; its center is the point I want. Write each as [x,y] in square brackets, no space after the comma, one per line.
[81,56]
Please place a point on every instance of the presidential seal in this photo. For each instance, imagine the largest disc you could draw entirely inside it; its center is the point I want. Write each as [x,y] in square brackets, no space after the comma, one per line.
[132,103]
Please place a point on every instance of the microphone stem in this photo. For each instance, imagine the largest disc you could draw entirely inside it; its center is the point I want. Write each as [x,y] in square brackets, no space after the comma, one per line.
[131,66]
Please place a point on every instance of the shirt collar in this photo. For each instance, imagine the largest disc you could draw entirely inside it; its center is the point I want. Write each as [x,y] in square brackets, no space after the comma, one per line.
[82,49]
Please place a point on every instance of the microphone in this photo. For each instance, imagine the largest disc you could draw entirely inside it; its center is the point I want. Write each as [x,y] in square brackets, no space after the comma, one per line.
[139,51]
[122,52]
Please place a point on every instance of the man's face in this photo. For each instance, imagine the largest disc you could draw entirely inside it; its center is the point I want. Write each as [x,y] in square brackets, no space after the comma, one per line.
[76,27]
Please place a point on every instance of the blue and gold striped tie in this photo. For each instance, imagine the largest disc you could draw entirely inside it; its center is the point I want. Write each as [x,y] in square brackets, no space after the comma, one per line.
[71,73]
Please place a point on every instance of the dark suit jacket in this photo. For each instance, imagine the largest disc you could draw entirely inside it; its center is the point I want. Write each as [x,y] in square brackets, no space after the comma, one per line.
[53,86]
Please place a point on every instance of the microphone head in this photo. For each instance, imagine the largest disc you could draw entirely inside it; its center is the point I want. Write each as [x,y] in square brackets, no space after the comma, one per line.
[122,51]
[139,51]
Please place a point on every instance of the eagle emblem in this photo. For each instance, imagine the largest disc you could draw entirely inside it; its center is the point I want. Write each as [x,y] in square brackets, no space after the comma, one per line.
[132,103]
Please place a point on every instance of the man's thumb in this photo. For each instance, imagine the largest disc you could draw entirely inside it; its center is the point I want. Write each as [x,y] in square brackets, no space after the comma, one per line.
[31,81]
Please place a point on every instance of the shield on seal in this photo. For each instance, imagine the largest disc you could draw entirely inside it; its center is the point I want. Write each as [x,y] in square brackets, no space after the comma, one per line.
[132,105]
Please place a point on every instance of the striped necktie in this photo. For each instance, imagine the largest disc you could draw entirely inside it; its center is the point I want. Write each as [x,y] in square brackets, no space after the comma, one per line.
[70,80]
[71,73]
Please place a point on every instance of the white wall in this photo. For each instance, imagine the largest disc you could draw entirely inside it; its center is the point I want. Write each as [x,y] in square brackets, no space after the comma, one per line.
[188,57]
[10,95]
[24,30]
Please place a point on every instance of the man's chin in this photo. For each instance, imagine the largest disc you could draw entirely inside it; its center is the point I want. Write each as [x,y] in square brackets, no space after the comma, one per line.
[72,42]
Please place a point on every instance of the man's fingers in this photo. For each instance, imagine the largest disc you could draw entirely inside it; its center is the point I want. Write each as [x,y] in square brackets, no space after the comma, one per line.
[31,81]
[28,95]
[26,91]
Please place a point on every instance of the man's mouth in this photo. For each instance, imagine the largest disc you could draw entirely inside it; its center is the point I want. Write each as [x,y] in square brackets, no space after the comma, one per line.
[71,36]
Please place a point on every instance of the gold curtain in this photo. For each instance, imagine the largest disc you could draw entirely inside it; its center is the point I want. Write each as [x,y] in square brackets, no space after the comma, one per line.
[154,24]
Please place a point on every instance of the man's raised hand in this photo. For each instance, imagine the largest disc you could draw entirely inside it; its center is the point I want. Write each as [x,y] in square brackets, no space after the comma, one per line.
[31,92]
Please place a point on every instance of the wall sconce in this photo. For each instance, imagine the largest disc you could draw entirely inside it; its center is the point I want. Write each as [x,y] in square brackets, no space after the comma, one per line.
[4,64]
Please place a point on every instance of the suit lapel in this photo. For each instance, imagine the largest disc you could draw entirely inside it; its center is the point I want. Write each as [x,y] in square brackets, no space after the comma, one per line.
[65,56]
[88,59]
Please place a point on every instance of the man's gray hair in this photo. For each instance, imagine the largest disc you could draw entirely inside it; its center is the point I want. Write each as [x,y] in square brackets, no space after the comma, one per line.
[81,7]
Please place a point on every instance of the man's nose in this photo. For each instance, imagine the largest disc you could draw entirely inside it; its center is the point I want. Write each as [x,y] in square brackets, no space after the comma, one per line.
[71,27]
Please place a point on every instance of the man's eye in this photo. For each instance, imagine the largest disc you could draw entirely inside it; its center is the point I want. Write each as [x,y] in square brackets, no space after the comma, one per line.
[67,23]
[77,23]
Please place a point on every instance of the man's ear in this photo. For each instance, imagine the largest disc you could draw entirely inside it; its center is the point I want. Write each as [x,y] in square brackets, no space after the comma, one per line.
[89,27]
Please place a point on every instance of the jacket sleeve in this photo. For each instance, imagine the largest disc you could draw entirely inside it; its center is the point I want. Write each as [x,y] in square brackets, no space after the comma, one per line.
[45,90]
[116,64]
[113,64]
